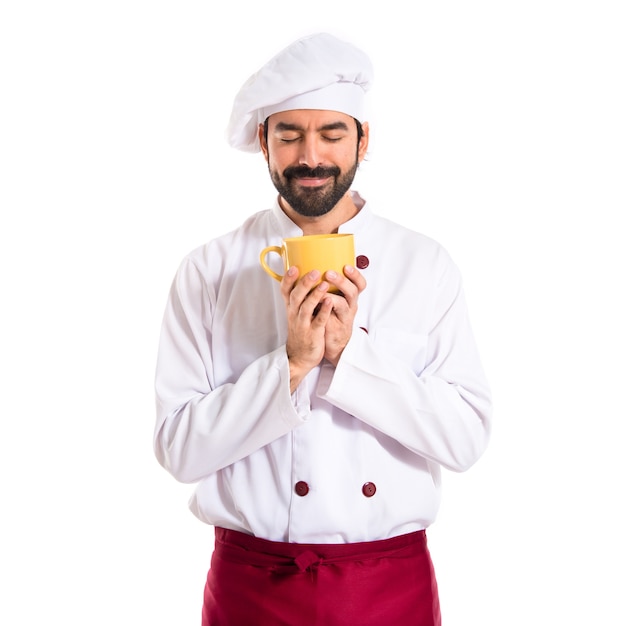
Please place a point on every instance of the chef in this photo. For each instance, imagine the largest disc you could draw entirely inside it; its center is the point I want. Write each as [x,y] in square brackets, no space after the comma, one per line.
[314,423]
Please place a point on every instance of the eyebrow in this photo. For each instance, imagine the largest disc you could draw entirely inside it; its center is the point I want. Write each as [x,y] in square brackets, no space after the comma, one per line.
[285,126]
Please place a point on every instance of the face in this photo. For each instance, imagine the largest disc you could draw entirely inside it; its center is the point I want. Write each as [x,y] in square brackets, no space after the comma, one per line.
[312,157]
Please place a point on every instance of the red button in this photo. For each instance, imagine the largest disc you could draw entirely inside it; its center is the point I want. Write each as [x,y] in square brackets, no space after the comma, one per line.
[302,488]
[364,329]
[369,489]
[362,262]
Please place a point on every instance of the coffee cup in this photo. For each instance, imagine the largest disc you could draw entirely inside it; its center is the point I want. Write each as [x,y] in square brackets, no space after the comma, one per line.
[313,252]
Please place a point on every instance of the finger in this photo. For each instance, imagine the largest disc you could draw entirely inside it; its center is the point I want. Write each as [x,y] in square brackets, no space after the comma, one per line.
[340,307]
[355,277]
[349,284]
[303,286]
[311,304]
[288,281]
[308,281]
[294,291]
[324,311]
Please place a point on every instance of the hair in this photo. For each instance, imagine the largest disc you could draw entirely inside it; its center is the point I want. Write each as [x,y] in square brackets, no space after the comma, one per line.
[359,129]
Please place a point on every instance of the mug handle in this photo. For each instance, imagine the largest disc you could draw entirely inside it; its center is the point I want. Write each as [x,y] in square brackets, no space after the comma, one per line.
[266,267]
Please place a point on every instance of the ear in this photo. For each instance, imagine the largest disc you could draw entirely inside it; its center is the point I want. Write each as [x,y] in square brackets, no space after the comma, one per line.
[261,132]
[364,141]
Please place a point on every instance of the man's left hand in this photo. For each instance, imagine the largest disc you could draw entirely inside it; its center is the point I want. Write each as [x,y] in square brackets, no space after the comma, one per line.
[339,325]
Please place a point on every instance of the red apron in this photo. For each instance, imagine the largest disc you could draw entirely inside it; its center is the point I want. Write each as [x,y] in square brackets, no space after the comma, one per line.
[255,582]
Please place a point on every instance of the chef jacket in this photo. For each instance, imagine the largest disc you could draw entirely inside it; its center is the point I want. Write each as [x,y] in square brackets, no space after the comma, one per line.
[355,453]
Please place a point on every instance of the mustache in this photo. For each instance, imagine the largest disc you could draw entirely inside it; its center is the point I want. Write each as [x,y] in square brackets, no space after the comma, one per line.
[304,171]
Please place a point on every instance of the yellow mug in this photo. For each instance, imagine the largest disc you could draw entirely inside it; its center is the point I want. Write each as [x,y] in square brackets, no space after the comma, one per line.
[313,252]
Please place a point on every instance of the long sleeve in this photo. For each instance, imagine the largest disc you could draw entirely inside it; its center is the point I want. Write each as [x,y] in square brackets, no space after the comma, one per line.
[437,405]
[203,424]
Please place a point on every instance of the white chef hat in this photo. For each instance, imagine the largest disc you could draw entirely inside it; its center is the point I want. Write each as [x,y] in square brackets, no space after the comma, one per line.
[316,72]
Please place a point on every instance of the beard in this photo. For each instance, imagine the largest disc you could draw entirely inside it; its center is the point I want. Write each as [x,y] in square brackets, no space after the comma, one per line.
[313,201]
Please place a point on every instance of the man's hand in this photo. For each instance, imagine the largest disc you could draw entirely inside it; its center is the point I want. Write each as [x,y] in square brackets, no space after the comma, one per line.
[308,311]
[338,326]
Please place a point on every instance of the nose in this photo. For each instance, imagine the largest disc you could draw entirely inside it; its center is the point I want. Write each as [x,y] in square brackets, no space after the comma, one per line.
[310,153]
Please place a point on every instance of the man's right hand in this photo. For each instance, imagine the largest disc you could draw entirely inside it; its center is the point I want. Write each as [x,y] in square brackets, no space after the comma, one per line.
[308,310]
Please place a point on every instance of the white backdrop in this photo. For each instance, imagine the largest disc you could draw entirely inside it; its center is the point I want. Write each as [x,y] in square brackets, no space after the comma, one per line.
[498,129]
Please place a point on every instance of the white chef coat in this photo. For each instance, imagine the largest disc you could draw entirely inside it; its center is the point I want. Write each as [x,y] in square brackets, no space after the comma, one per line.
[407,397]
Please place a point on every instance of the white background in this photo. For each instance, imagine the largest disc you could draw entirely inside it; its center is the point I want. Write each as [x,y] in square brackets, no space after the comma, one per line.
[498,129]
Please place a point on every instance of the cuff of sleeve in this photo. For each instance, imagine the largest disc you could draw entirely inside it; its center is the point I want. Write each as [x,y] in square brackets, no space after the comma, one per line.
[300,398]
[331,379]
[301,401]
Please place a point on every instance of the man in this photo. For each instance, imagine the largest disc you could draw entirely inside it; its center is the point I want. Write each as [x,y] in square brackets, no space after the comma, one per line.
[315,423]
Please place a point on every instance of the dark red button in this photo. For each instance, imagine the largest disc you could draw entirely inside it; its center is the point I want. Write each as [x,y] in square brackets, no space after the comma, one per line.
[362,262]
[368,489]
[302,488]
[364,329]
